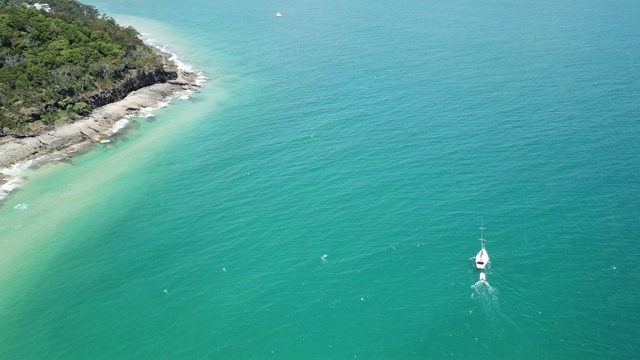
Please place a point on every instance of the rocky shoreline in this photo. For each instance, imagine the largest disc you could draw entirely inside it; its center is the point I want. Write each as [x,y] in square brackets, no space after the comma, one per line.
[98,126]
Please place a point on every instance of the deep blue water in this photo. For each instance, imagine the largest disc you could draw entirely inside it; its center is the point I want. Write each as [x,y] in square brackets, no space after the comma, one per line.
[377,134]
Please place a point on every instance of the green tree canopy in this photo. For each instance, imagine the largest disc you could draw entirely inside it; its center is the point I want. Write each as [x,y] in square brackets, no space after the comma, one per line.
[51,61]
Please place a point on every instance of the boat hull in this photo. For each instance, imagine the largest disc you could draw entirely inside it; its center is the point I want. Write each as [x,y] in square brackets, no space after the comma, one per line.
[482,259]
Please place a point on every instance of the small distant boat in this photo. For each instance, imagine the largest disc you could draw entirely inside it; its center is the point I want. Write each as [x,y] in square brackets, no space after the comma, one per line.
[278,14]
[482,259]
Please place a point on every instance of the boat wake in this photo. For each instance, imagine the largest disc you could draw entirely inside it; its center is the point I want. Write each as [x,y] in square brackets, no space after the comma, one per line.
[483,287]
[486,297]
[487,309]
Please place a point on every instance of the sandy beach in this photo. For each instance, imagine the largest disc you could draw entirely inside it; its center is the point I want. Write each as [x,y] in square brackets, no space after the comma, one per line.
[102,123]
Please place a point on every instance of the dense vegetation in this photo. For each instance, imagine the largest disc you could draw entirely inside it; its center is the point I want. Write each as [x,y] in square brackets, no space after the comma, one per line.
[51,62]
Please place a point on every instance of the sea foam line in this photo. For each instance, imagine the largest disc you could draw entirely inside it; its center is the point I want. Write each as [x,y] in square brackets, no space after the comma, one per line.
[147,112]
[14,176]
[201,78]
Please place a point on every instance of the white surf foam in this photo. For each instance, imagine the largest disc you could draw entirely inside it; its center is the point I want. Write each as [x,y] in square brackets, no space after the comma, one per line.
[201,78]
[119,125]
[145,112]
[165,49]
[14,176]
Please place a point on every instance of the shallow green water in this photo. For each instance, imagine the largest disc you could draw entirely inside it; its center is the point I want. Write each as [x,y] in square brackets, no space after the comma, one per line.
[377,135]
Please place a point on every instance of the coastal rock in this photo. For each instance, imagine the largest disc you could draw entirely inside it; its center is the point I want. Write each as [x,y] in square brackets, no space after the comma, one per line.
[141,90]
[134,82]
[13,150]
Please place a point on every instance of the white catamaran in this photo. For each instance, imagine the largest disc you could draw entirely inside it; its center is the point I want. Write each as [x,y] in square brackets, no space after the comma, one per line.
[482,259]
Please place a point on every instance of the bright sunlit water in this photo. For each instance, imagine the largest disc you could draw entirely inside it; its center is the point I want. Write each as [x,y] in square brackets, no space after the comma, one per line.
[320,197]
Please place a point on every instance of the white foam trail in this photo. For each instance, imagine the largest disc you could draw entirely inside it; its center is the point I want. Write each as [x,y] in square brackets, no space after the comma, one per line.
[479,283]
[487,298]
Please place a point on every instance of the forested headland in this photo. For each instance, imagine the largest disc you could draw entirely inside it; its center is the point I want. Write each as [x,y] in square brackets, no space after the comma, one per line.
[57,66]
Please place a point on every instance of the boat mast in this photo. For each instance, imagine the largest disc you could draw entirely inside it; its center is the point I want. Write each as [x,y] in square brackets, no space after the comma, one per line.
[482,231]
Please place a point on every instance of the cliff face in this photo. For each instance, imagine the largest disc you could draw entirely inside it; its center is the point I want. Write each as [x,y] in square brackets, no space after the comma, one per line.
[139,91]
[133,82]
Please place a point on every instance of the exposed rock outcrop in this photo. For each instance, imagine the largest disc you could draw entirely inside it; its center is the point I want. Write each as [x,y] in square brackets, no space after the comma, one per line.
[141,90]
[135,81]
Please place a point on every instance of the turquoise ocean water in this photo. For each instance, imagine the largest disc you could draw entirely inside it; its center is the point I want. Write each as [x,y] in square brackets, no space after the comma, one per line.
[320,197]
